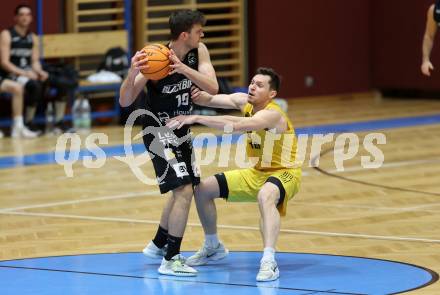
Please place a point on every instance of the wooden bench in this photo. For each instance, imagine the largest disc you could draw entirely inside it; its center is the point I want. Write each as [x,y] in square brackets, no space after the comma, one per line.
[84,44]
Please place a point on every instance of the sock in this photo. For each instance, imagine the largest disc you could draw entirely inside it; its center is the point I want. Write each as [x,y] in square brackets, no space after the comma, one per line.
[161,237]
[60,109]
[173,246]
[18,122]
[268,254]
[211,241]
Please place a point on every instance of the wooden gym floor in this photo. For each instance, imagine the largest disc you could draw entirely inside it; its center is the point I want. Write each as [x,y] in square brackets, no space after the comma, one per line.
[392,212]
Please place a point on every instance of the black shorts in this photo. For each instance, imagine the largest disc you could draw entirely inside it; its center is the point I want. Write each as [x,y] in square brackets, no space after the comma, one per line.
[174,163]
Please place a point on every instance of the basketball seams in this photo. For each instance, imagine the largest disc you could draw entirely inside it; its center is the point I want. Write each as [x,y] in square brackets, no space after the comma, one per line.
[150,73]
[156,58]
[157,51]
[161,60]
[166,56]
[158,75]
[157,48]
[159,67]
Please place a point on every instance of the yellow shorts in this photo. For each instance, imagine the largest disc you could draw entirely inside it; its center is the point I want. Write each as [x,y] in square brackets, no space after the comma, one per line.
[243,185]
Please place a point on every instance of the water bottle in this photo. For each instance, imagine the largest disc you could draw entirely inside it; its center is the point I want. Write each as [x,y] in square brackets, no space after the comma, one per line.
[81,115]
[86,118]
[76,114]
[50,118]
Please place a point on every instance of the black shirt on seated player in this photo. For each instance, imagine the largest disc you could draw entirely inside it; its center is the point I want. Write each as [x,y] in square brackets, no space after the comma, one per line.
[17,47]
[20,61]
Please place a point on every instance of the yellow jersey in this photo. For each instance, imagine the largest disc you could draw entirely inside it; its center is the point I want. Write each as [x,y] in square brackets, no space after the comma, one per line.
[269,150]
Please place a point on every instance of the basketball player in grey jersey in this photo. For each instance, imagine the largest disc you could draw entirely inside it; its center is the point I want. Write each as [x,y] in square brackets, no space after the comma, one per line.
[20,59]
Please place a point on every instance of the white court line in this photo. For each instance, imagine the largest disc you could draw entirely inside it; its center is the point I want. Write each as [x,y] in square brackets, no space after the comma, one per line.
[414,208]
[420,207]
[234,227]
[388,165]
[124,196]
[304,173]
[312,172]
[360,168]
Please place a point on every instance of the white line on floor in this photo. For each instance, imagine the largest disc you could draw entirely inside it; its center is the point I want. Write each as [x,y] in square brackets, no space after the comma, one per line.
[387,165]
[105,198]
[233,227]
[415,208]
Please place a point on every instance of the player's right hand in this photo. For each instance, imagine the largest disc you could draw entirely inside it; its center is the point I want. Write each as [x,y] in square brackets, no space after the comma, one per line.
[31,75]
[426,68]
[198,96]
[139,61]
[195,93]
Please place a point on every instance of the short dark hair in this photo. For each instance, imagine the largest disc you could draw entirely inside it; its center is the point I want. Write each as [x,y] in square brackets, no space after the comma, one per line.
[183,20]
[275,79]
[20,6]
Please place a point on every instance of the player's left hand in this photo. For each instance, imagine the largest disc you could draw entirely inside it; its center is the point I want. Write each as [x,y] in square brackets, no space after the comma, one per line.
[43,75]
[179,121]
[427,67]
[177,65]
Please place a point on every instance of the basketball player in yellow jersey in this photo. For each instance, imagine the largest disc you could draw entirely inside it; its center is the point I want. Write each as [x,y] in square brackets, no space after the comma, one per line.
[272,181]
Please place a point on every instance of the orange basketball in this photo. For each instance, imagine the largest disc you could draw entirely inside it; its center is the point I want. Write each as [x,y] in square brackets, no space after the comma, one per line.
[158,61]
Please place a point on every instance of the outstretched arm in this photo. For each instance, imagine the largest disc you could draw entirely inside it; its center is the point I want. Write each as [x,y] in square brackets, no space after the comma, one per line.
[225,101]
[428,41]
[265,119]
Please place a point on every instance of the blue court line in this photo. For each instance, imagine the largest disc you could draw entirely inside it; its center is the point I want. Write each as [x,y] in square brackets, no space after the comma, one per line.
[111,151]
